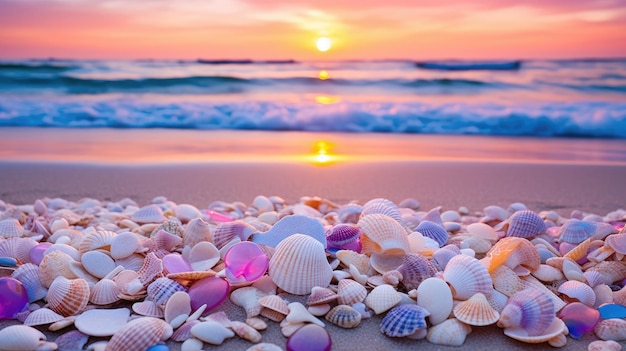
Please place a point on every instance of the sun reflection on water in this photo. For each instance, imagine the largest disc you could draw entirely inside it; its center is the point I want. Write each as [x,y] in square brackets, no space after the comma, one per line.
[322,153]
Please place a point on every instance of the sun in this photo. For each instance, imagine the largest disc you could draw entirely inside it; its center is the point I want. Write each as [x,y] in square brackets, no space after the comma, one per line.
[323,44]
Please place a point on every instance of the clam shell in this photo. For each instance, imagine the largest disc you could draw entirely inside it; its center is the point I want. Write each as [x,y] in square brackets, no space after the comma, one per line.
[547,273]
[577,291]
[124,245]
[494,213]
[414,269]
[148,214]
[436,297]
[344,316]
[611,329]
[349,213]
[381,206]
[298,264]
[476,311]
[530,310]
[482,230]
[434,231]
[100,239]
[178,304]
[196,231]
[42,316]
[18,248]
[514,252]
[162,289]
[441,256]
[554,330]
[382,298]
[139,334]
[273,307]
[382,234]
[97,263]
[342,234]
[525,224]
[102,322]
[360,261]
[350,292]
[68,297]
[466,277]
[575,231]
[105,292]
[11,228]
[451,332]
[612,271]
[28,275]
[320,295]
[187,212]
[227,231]
[53,265]
[21,337]
[617,242]
[404,320]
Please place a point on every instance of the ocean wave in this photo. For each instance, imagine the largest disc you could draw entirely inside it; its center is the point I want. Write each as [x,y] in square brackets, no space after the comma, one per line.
[35,66]
[589,120]
[471,66]
[244,62]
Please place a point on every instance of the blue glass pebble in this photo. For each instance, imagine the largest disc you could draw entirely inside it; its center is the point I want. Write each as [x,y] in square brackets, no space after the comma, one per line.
[8,262]
[612,310]
[158,347]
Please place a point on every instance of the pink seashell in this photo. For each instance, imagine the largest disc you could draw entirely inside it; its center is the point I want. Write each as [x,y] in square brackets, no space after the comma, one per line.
[476,311]
[151,269]
[11,228]
[148,308]
[320,295]
[525,224]
[506,281]
[227,231]
[575,231]
[350,292]
[515,253]
[617,242]
[68,297]
[604,345]
[196,231]
[140,334]
[162,289]
[612,271]
[530,310]
[42,316]
[382,234]
[273,307]
[56,264]
[184,331]
[104,292]
[148,214]
[466,277]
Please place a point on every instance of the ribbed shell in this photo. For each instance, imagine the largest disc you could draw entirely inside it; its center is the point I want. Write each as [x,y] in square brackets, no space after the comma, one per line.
[196,231]
[151,269]
[298,264]
[466,277]
[68,297]
[350,292]
[100,239]
[18,248]
[28,275]
[403,320]
[617,242]
[382,298]
[104,292]
[382,206]
[514,252]
[450,332]
[42,316]
[320,296]
[11,228]
[148,308]
[476,311]
[579,291]
[227,231]
[342,234]
[433,231]
[382,234]
[139,334]
[344,316]
[184,331]
[274,307]
[414,269]
[53,265]
[575,231]
[148,214]
[525,224]
[161,289]
[529,309]
[441,256]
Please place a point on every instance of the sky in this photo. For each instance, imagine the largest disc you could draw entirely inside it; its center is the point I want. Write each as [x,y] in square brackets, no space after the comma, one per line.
[288,29]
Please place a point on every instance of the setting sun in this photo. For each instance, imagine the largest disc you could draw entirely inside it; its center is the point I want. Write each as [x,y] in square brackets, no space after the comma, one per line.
[323,44]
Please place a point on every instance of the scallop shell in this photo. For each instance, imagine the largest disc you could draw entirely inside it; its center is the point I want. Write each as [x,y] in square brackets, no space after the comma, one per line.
[577,291]
[382,298]
[11,228]
[298,264]
[162,289]
[451,332]
[466,277]
[341,235]
[575,231]
[381,206]
[53,265]
[167,241]
[611,329]
[476,311]
[434,231]
[42,316]
[617,242]
[105,292]
[151,269]
[148,214]
[273,307]
[612,271]
[22,337]
[28,275]
[525,224]
[404,320]
[18,248]
[414,269]
[184,331]
[514,252]
[344,316]
[320,295]
[441,256]
[506,281]
[604,345]
[349,213]
[482,230]
[100,239]
[530,310]
[227,231]
[350,292]
[148,308]
[68,297]
[381,234]
[360,261]
[140,334]
[196,231]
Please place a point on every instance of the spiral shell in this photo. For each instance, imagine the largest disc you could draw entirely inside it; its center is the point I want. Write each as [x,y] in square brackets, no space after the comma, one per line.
[466,277]
[404,320]
[68,297]
[530,310]
[140,334]
[382,234]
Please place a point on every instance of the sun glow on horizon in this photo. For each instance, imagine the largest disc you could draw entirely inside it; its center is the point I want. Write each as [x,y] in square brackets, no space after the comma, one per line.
[322,153]
[323,44]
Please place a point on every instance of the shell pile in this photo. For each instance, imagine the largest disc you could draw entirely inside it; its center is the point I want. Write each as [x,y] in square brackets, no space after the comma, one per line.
[155,273]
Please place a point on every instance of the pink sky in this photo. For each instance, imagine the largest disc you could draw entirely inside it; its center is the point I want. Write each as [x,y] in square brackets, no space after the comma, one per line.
[280,29]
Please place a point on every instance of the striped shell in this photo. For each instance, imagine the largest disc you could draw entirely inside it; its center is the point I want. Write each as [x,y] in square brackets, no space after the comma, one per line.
[28,275]
[414,269]
[11,228]
[515,253]
[575,231]
[53,265]
[434,231]
[298,264]
[530,310]
[404,320]
[451,332]
[273,307]
[382,206]
[382,234]
[162,289]
[100,239]
[578,291]
[320,296]
[476,311]
[42,316]
[68,297]
[350,292]
[382,298]
[227,231]
[104,292]
[344,316]
[611,329]
[342,235]
[525,224]
[196,231]
[466,277]
[148,308]
[139,334]
[148,214]
[18,248]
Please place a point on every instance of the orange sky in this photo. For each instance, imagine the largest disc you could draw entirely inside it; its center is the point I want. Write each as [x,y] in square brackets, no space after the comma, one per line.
[281,29]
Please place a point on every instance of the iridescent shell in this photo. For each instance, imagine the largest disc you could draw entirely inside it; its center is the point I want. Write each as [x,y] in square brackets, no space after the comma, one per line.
[404,320]
[525,224]
[451,332]
[414,269]
[68,297]
[340,236]
[578,291]
[466,277]
[344,316]
[382,234]
[529,309]
[140,334]
[382,206]
[476,311]
[148,214]
[575,231]
[434,231]
[515,253]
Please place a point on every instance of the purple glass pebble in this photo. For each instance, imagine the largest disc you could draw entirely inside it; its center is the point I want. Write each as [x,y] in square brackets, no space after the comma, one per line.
[245,261]
[612,310]
[13,297]
[37,252]
[311,337]
[210,291]
[175,263]
[579,318]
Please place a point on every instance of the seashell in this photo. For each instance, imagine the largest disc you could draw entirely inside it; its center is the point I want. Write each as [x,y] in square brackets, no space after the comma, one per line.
[320,295]
[611,329]
[382,235]
[123,245]
[417,243]
[273,307]
[162,289]
[246,332]
[392,278]
[288,329]
[102,322]
[593,278]
[441,256]
[319,310]
[18,248]
[435,296]
[344,236]
[532,282]
[414,269]
[494,213]
[576,291]
[451,332]
[219,317]
[575,231]
[289,225]
[42,316]
[516,206]
[23,337]
[382,298]
[167,241]
[188,278]
[203,256]
[11,228]
[349,213]
[28,275]
[263,203]
[409,203]
[97,263]
[617,242]
[133,262]
[360,261]
[404,320]
[383,263]
[383,207]
[184,331]
[530,310]
[257,323]
[478,245]
[178,304]
[466,277]
[553,331]
[171,226]
[196,231]
[139,334]
[151,269]
[547,273]
[73,340]
[227,231]
[506,281]
[476,311]
[248,298]
[299,314]
[105,292]
[604,345]
[148,308]
[350,292]
[99,240]
[68,297]
[498,300]
[148,214]
[192,344]
[434,231]
[515,253]
[298,264]
[54,265]
[344,316]
[525,224]
[612,271]
[264,346]
[186,212]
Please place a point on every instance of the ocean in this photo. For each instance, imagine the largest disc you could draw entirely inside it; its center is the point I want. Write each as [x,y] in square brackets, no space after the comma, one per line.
[536,98]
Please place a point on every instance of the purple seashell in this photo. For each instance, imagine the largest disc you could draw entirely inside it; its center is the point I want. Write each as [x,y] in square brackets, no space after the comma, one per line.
[525,224]
[175,263]
[311,337]
[37,252]
[211,291]
[245,261]
[441,257]
[71,341]
[219,217]
[344,237]
[575,231]
[13,297]
[579,318]
[612,310]
[414,269]
[433,231]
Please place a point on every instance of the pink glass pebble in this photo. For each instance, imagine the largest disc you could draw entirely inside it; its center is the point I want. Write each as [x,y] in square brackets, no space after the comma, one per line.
[36,252]
[245,261]
[311,337]
[219,217]
[210,291]
[579,318]
[13,297]
[175,263]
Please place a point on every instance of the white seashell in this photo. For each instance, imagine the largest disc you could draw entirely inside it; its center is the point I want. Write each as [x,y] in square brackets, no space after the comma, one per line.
[506,281]
[186,212]
[494,213]
[196,231]
[257,323]
[139,334]
[611,329]
[273,307]
[97,240]
[382,298]
[11,228]
[466,277]
[350,292]
[360,261]
[319,310]
[203,256]
[357,276]
[299,314]
[577,291]
[383,263]
[416,242]
[178,304]
[435,296]
[97,263]
[42,316]
[211,332]
[55,264]
[557,328]
[28,275]
[298,264]
[102,322]
[382,234]
[70,250]
[22,337]
[105,292]
[264,346]
[219,317]
[450,332]
[191,344]
[476,311]
[290,225]
[248,298]
[68,297]
[246,332]
[604,345]
[344,316]
[148,214]
[604,294]
[123,245]
[547,273]
[482,230]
